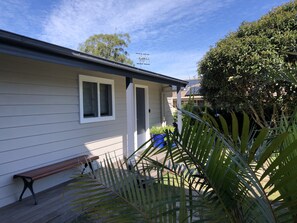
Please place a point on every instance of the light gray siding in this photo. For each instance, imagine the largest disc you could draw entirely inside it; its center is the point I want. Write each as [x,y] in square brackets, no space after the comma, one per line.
[39,122]
[168,109]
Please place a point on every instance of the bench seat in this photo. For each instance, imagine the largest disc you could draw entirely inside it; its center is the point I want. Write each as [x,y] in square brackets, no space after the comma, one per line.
[30,176]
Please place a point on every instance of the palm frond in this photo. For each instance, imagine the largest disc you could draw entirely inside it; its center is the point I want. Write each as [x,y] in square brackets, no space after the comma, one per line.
[223,171]
[213,171]
[121,195]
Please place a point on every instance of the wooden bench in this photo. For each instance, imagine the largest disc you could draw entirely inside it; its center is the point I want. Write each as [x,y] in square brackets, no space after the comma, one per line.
[30,176]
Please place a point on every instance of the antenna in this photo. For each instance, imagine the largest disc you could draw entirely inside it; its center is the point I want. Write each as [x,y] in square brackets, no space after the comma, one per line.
[143,59]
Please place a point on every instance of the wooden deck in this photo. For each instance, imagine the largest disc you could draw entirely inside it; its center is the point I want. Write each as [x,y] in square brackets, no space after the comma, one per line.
[53,206]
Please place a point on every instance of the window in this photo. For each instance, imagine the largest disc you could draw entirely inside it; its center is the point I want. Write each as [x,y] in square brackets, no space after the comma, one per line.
[96,99]
[105,99]
[90,99]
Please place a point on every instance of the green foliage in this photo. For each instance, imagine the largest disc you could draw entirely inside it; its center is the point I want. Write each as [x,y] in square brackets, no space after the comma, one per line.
[236,172]
[108,46]
[238,73]
[121,194]
[211,174]
[161,129]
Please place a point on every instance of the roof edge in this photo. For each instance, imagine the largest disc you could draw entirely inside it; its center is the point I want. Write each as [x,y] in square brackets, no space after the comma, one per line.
[30,44]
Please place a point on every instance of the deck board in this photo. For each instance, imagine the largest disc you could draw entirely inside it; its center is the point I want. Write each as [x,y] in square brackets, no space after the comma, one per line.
[54,205]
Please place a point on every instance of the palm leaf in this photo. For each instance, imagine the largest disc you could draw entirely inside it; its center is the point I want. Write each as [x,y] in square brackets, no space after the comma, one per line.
[225,175]
[207,173]
[121,195]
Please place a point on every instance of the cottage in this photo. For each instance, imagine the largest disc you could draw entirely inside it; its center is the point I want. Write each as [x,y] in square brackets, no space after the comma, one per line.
[57,103]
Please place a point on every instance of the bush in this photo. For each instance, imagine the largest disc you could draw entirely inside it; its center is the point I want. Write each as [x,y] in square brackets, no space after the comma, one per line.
[161,129]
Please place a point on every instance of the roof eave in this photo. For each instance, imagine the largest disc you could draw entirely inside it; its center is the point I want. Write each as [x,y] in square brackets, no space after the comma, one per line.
[22,46]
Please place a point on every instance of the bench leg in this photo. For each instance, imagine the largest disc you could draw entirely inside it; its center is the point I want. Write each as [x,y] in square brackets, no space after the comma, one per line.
[91,167]
[28,184]
[85,166]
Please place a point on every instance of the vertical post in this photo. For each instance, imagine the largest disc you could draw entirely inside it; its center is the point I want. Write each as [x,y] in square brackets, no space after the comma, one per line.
[163,119]
[178,104]
[130,116]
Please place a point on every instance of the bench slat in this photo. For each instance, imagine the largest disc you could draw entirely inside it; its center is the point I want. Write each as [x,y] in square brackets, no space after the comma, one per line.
[30,176]
[56,167]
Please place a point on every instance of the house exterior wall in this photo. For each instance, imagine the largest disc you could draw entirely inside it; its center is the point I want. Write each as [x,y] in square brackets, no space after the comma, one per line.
[154,91]
[39,122]
[160,103]
[169,110]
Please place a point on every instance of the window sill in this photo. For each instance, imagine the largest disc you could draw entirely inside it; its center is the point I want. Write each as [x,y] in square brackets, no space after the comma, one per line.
[98,119]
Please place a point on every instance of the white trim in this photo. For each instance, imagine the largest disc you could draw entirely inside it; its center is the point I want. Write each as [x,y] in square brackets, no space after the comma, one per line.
[130,119]
[147,132]
[99,81]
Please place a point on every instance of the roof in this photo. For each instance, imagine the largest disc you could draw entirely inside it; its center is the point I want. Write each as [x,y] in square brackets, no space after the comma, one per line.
[193,87]
[22,46]
[192,82]
[193,91]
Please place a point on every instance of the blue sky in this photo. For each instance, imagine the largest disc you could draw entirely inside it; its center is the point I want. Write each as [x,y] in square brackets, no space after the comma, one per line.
[176,33]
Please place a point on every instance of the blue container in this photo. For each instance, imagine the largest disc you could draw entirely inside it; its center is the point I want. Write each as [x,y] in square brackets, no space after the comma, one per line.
[159,140]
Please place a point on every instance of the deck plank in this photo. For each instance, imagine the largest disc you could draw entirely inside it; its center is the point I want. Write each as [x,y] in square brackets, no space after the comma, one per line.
[54,205]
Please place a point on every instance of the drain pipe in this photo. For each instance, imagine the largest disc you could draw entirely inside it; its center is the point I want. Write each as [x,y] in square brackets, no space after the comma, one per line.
[178,104]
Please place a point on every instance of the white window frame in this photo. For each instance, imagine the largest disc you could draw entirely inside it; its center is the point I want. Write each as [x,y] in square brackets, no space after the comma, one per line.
[99,81]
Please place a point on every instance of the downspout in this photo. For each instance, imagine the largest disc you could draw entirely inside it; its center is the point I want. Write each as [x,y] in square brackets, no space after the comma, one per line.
[163,120]
[178,104]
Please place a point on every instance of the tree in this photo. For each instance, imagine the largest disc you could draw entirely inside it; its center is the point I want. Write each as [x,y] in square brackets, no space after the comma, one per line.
[238,71]
[108,46]
[207,174]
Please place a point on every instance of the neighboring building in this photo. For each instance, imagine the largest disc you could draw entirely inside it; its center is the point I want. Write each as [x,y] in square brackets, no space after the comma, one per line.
[191,91]
[57,103]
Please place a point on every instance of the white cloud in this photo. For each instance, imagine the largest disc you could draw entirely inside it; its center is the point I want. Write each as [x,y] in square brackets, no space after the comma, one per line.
[151,25]
[17,16]
[72,21]
[9,10]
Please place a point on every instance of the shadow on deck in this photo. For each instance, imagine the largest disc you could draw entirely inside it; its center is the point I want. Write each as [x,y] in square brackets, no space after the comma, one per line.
[54,206]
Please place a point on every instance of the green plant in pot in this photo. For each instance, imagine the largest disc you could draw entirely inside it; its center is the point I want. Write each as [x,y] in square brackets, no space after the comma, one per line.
[159,133]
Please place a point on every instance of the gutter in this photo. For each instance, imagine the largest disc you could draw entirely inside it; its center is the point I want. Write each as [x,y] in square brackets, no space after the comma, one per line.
[18,45]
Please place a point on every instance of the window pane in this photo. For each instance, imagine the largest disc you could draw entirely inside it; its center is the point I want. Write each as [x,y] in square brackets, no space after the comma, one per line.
[105,100]
[90,99]
[140,110]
